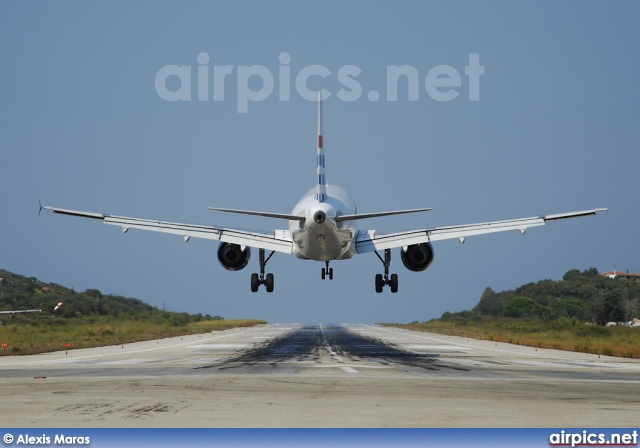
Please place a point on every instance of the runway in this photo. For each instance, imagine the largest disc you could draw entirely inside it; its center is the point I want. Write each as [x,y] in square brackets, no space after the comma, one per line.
[321,375]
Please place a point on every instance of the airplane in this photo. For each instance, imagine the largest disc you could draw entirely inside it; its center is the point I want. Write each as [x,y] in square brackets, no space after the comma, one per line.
[30,311]
[20,311]
[323,227]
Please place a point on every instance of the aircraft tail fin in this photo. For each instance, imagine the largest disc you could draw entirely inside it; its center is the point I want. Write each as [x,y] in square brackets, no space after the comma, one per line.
[321,186]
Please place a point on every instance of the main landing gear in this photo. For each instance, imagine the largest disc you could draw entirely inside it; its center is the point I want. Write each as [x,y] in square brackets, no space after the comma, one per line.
[257,280]
[381,280]
[327,271]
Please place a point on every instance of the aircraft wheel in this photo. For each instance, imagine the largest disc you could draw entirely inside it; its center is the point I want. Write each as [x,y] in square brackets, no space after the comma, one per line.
[269,283]
[255,282]
[394,283]
[323,273]
[379,283]
[330,273]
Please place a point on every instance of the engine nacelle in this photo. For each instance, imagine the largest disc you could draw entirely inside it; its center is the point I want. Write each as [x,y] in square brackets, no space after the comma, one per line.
[232,257]
[418,257]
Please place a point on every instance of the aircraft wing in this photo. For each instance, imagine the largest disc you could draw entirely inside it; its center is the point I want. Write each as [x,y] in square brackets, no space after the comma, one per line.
[369,241]
[279,240]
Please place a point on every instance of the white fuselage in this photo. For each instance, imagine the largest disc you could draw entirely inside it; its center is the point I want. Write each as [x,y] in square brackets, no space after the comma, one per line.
[319,236]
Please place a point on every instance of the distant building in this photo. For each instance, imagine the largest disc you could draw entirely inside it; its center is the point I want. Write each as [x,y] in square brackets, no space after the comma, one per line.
[47,289]
[622,275]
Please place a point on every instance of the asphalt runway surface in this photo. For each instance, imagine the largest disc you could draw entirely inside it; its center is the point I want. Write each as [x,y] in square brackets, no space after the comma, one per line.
[322,375]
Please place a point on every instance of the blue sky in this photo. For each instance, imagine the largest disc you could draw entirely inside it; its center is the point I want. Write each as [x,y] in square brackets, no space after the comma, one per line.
[82,126]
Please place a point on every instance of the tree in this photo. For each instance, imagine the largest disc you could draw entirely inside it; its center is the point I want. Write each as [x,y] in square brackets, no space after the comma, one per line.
[572,274]
[613,307]
[590,273]
[93,293]
[489,303]
[571,308]
[521,307]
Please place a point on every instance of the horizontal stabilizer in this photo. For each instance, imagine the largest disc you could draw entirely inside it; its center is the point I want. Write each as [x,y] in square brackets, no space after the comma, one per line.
[375,215]
[265,214]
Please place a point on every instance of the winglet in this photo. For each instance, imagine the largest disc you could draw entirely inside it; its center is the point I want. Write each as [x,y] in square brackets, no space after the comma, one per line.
[41,207]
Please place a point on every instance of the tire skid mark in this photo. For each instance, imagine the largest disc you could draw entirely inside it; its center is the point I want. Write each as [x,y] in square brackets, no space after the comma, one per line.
[309,343]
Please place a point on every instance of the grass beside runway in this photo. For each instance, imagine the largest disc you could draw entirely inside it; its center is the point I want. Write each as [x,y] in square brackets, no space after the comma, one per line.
[27,336]
[560,334]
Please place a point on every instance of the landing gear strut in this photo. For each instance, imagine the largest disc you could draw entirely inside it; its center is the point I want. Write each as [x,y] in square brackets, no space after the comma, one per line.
[381,280]
[257,280]
[327,271]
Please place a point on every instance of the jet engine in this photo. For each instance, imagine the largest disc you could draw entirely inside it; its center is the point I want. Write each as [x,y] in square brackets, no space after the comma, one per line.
[417,257]
[232,257]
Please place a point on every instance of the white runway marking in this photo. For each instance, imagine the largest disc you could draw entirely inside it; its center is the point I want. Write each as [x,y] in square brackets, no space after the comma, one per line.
[238,346]
[117,352]
[132,361]
[431,347]
[325,366]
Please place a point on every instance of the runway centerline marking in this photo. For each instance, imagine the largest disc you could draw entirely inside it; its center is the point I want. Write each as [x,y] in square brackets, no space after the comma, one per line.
[328,347]
[325,366]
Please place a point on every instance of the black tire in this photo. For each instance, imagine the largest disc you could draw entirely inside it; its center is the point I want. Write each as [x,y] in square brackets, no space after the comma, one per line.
[255,282]
[330,273]
[379,283]
[394,283]
[269,282]
[323,273]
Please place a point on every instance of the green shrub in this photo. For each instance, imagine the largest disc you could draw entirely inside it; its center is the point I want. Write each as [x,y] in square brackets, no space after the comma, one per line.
[521,307]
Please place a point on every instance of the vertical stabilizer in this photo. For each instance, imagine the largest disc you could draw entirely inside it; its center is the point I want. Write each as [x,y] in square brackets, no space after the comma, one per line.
[321,187]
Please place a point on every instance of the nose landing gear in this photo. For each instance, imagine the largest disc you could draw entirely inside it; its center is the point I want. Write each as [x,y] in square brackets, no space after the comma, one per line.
[327,271]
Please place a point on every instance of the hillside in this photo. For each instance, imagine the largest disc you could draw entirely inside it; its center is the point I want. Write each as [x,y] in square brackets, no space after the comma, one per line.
[18,292]
[586,295]
[567,314]
[87,319]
